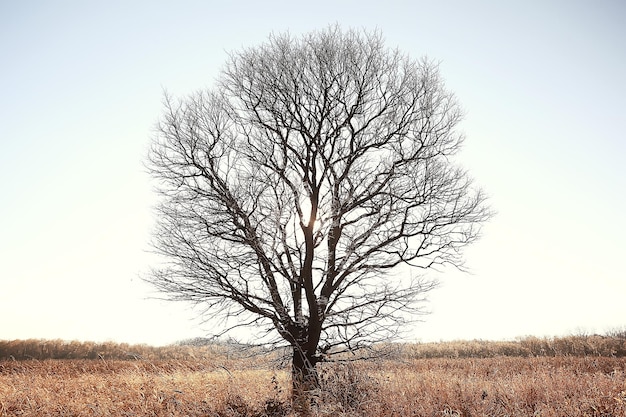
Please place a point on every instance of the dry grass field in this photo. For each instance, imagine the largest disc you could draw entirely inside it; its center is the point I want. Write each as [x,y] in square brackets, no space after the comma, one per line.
[211,381]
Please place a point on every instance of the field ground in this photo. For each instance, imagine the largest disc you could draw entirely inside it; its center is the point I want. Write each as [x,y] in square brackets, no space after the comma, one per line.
[501,386]
[575,376]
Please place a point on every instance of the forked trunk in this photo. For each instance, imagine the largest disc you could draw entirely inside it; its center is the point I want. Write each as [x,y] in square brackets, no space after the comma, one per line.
[304,380]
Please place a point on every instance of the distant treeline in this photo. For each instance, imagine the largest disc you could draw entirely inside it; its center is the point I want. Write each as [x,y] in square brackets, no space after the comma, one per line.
[610,345]
[61,349]
[613,345]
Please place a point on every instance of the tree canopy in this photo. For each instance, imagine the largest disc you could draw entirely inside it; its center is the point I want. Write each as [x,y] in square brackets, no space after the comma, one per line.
[308,192]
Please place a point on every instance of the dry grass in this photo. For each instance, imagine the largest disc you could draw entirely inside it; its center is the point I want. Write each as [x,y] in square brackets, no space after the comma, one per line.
[124,388]
[504,387]
[500,386]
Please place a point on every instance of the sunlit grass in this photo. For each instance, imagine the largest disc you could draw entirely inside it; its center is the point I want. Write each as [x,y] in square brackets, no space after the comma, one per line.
[225,383]
[546,386]
[467,379]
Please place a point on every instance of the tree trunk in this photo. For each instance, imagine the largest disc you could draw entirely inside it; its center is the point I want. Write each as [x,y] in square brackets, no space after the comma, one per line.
[304,380]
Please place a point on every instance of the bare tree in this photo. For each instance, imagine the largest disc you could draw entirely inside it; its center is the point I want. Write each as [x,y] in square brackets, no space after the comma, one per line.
[304,194]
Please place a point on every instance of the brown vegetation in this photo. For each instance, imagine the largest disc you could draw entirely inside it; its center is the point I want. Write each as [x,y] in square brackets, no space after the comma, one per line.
[60,349]
[499,386]
[612,345]
[574,376]
[578,345]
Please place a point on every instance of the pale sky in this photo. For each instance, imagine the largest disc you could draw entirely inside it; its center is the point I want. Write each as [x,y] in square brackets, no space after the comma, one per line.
[542,82]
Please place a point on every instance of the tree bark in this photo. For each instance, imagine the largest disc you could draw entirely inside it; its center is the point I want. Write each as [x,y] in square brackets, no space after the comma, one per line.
[304,379]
